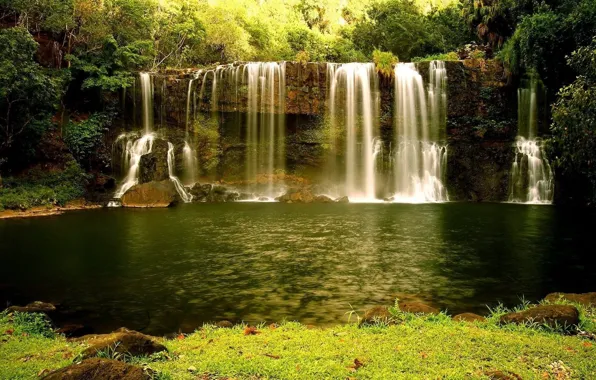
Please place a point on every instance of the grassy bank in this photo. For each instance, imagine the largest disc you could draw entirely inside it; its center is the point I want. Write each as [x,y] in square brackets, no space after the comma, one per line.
[40,188]
[414,347]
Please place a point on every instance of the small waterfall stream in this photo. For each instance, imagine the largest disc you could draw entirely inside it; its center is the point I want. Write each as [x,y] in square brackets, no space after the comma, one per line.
[135,147]
[531,179]
[264,85]
[354,89]
[420,159]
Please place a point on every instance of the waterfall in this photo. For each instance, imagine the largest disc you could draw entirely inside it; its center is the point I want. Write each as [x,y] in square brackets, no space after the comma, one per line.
[265,124]
[189,154]
[134,151]
[189,160]
[147,102]
[420,160]
[354,88]
[185,195]
[531,178]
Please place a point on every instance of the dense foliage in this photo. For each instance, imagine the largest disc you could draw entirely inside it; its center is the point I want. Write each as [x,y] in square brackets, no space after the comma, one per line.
[28,95]
[41,188]
[574,129]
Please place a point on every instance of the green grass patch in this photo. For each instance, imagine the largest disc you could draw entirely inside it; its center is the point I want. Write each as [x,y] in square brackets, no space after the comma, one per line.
[414,347]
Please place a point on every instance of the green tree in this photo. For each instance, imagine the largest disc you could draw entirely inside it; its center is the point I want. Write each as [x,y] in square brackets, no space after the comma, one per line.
[573,141]
[28,95]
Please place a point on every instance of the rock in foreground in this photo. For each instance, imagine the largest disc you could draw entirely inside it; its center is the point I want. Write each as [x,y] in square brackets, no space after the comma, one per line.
[551,315]
[418,308]
[122,341]
[151,194]
[98,369]
[375,314]
[469,317]
[34,307]
[585,299]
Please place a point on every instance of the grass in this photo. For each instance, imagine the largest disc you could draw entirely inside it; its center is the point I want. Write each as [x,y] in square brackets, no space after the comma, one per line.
[414,347]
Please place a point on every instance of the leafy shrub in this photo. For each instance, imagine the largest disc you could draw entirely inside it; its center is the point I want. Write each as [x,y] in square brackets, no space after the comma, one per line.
[85,138]
[302,57]
[43,189]
[573,143]
[384,62]
[37,324]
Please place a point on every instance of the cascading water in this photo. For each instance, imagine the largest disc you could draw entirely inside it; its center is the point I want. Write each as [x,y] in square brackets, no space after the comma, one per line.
[419,161]
[135,148]
[264,83]
[185,195]
[531,175]
[189,157]
[147,102]
[354,88]
[265,122]
[134,151]
[189,160]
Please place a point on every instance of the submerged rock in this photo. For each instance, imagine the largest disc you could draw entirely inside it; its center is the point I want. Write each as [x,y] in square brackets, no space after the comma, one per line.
[322,199]
[469,317]
[297,195]
[375,314]
[551,315]
[99,369]
[417,308]
[585,299]
[122,341]
[34,307]
[152,194]
[343,199]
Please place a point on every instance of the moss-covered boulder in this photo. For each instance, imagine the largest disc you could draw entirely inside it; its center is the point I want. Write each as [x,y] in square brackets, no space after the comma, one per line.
[550,315]
[585,299]
[123,341]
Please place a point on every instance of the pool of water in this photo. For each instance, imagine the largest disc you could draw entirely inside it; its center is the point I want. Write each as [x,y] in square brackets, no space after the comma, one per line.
[165,270]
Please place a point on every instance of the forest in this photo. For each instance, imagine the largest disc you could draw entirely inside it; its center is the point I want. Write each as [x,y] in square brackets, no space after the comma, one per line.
[59,56]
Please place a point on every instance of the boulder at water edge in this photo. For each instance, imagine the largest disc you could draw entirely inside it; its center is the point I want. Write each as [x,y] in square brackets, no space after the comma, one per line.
[99,369]
[122,341]
[585,299]
[551,315]
[34,307]
[417,308]
[376,314]
[469,317]
[152,194]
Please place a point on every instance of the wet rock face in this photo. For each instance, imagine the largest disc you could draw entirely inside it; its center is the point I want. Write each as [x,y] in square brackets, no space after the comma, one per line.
[99,369]
[151,194]
[551,315]
[122,341]
[585,299]
[154,166]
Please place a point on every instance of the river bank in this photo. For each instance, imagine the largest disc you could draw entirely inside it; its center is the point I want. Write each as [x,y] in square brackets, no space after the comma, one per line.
[397,344]
[40,211]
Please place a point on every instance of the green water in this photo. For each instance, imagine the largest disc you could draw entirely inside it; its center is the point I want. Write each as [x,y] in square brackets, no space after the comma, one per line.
[169,269]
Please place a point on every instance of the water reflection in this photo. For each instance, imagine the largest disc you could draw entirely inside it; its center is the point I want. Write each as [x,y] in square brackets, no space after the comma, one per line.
[168,269]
